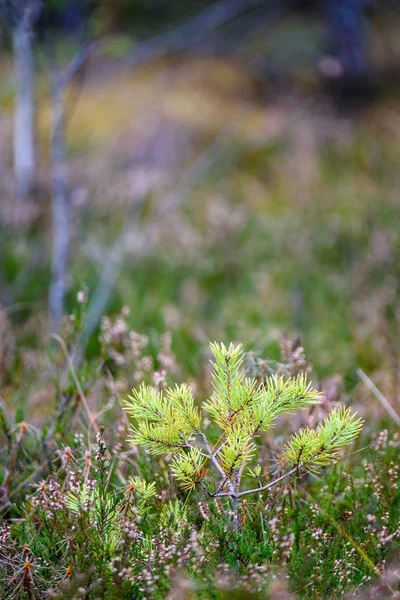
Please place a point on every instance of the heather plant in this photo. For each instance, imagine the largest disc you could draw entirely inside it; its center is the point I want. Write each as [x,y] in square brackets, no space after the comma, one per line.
[86,516]
[241,409]
[129,352]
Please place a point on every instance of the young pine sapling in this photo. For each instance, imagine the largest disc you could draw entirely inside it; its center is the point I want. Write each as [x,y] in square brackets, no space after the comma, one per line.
[242,408]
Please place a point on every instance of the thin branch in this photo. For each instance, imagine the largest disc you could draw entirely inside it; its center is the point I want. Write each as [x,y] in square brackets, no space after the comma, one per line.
[212,456]
[269,485]
[380,396]
[75,65]
[192,31]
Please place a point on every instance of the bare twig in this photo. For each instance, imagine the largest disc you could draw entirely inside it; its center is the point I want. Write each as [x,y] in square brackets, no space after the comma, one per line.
[263,488]
[388,407]
[192,31]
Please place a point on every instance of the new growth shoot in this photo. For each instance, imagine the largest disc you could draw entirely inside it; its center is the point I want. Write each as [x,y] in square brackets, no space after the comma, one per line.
[217,459]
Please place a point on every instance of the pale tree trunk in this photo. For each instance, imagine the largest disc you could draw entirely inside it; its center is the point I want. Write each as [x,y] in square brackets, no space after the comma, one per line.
[60,191]
[24,118]
[60,206]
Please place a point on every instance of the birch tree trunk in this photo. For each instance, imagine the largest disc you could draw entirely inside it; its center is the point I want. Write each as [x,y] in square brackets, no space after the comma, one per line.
[60,206]
[60,192]
[24,118]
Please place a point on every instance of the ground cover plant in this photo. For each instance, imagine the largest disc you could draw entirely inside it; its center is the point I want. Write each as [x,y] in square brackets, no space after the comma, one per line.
[194,501]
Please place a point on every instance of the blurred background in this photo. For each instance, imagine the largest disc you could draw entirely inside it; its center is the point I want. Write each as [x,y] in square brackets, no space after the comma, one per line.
[227,170]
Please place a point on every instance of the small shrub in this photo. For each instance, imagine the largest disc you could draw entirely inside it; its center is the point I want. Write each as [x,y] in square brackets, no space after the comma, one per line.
[241,409]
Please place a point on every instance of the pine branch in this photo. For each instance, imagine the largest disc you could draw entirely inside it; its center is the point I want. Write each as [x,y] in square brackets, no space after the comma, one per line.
[263,488]
[211,455]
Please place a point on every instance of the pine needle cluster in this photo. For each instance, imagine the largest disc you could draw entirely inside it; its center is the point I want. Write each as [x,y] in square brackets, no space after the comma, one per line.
[241,409]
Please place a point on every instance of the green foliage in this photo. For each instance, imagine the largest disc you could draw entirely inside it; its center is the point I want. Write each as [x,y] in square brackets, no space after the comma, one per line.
[188,468]
[91,513]
[242,408]
[142,490]
[311,448]
[166,421]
